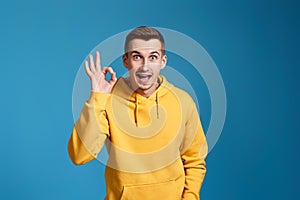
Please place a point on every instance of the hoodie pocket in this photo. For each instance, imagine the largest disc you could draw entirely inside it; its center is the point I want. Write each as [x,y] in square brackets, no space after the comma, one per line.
[164,190]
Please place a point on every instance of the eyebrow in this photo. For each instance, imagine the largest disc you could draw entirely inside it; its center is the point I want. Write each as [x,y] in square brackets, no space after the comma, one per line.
[132,52]
[137,52]
[153,52]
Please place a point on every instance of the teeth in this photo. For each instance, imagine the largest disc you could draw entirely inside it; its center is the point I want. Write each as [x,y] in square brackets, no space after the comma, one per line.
[143,75]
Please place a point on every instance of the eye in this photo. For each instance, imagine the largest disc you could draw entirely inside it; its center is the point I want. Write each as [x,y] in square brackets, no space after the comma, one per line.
[153,57]
[136,57]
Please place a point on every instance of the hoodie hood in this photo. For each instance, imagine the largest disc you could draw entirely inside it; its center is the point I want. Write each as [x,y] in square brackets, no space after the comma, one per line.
[122,90]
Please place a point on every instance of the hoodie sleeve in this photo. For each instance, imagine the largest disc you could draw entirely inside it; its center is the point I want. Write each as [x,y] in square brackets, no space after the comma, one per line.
[90,130]
[195,151]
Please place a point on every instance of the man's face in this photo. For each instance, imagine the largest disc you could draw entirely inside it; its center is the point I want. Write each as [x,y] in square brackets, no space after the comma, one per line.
[144,60]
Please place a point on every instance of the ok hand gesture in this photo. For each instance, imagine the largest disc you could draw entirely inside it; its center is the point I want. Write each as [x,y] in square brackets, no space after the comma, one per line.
[97,75]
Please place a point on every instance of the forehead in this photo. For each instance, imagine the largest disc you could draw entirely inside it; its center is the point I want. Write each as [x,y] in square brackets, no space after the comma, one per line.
[143,45]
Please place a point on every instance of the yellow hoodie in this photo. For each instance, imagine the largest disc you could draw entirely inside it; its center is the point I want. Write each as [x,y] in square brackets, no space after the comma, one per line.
[156,145]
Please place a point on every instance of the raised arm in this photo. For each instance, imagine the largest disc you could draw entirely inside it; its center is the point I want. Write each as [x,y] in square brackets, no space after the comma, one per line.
[91,129]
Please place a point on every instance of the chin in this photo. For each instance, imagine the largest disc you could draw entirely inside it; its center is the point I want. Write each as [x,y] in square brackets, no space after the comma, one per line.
[144,87]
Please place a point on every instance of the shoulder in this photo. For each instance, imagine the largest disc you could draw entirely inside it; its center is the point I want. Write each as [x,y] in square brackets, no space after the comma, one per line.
[181,94]
[186,101]
[184,98]
[188,106]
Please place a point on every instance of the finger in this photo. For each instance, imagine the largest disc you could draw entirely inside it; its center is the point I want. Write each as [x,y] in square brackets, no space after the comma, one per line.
[98,66]
[113,77]
[92,65]
[107,69]
[87,69]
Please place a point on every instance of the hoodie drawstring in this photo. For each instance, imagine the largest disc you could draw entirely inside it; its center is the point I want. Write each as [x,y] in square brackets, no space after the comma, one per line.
[136,111]
[156,100]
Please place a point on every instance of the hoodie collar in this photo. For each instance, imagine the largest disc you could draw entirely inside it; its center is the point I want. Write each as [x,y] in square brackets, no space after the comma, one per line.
[122,90]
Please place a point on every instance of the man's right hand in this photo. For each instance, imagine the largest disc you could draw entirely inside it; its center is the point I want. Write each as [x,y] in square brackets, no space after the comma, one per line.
[97,75]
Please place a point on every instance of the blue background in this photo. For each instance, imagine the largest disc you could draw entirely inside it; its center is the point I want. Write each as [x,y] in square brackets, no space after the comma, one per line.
[255,45]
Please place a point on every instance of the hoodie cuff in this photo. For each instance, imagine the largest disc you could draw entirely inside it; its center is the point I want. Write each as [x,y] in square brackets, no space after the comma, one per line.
[98,99]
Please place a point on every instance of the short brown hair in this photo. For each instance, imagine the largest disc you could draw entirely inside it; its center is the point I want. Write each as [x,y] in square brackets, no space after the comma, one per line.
[144,33]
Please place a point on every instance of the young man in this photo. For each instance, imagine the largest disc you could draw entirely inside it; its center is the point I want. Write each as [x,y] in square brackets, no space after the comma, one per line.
[152,130]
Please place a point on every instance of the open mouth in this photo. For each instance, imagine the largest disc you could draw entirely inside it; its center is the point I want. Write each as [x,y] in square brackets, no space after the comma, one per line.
[143,77]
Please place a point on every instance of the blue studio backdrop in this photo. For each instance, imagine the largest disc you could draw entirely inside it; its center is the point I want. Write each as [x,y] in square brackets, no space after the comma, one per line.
[255,45]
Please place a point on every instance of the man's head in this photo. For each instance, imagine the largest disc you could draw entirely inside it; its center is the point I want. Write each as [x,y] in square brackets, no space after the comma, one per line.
[144,57]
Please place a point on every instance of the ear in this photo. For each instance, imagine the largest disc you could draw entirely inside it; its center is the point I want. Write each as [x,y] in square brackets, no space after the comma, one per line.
[125,61]
[163,61]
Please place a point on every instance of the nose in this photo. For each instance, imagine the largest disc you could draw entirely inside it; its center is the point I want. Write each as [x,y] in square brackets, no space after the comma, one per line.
[145,61]
[145,65]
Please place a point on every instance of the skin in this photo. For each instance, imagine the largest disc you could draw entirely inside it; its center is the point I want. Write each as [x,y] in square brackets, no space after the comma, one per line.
[97,75]
[144,60]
